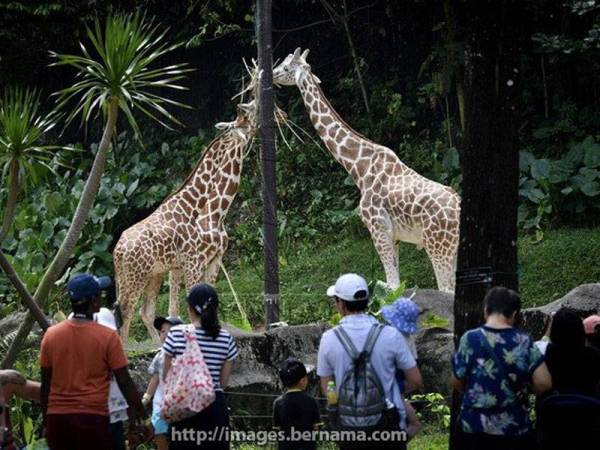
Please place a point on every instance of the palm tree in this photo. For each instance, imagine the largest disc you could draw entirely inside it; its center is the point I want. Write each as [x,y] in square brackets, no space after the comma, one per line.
[118,75]
[22,151]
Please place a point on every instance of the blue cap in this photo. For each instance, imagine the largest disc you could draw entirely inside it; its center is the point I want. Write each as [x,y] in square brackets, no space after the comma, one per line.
[402,315]
[83,287]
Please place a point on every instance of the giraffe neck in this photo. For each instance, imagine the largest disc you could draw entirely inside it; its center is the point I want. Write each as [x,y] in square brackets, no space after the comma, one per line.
[345,144]
[196,189]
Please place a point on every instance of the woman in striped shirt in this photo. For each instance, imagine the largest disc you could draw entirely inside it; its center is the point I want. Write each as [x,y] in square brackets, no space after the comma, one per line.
[219,349]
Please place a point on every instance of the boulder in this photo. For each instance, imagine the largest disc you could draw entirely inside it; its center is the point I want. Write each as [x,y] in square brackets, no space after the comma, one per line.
[435,347]
[434,303]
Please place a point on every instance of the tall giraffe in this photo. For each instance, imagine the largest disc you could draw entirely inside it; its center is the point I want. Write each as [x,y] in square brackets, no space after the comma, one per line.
[185,234]
[397,204]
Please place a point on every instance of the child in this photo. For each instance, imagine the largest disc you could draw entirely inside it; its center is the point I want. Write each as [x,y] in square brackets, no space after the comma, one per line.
[402,315]
[155,386]
[295,410]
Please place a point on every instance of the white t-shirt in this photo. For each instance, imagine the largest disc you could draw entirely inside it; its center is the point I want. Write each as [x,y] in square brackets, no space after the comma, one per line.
[156,368]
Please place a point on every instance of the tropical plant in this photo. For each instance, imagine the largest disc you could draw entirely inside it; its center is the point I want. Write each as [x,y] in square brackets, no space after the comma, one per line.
[24,155]
[118,76]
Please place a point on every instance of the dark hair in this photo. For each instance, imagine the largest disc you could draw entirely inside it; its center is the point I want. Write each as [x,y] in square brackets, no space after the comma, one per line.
[204,301]
[501,300]
[355,305]
[567,329]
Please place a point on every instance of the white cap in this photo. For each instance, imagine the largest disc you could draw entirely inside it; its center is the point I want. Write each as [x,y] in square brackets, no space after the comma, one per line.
[347,286]
[106,317]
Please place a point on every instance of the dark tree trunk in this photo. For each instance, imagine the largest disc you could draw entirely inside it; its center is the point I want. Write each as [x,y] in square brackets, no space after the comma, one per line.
[493,32]
[267,148]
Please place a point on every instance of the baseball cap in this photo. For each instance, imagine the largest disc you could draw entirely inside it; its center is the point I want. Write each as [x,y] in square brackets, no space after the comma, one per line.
[83,287]
[173,320]
[291,371]
[591,324]
[201,296]
[349,287]
[402,315]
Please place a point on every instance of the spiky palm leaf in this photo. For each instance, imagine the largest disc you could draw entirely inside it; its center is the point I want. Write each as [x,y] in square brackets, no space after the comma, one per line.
[122,68]
[22,129]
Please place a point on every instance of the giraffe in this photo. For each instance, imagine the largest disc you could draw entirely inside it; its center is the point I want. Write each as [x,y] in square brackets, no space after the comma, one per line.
[397,204]
[185,235]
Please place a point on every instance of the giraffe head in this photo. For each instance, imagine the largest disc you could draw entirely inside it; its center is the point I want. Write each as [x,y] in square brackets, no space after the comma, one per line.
[292,69]
[244,124]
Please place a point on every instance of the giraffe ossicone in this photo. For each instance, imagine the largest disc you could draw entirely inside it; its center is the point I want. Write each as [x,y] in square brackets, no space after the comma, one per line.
[397,204]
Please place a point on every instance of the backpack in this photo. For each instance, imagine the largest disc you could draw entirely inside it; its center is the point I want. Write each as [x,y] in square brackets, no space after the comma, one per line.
[361,399]
[189,387]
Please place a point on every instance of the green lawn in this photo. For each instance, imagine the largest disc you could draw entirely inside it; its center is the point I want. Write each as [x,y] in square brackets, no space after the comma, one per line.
[563,260]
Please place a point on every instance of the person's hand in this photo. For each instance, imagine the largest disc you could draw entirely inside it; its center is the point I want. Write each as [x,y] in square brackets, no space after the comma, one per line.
[11,377]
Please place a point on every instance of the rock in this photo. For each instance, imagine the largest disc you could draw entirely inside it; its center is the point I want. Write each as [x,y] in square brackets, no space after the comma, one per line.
[435,347]
[433,302]
[584,300]
[12,322]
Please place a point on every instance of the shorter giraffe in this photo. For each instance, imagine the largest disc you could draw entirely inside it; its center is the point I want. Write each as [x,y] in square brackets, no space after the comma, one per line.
[397,204]
[185,234]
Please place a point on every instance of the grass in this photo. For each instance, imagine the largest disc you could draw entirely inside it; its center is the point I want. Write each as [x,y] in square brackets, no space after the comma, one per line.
[549,269]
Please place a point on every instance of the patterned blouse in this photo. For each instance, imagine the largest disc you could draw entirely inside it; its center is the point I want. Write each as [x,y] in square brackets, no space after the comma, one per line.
[492,404]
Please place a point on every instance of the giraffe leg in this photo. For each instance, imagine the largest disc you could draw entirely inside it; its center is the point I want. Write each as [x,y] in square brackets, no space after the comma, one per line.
[148,310]
[175,283]
[442,254]
[214,265]
[376,219]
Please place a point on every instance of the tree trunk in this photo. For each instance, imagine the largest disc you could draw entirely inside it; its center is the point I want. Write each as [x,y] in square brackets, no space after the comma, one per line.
[489,158]
[62,257]
[268,158]
[11,201]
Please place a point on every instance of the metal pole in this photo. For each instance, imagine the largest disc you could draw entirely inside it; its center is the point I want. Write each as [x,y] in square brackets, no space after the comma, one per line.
[267,149]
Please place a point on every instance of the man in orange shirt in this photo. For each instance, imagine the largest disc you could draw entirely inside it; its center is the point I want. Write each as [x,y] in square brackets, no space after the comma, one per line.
[76,360]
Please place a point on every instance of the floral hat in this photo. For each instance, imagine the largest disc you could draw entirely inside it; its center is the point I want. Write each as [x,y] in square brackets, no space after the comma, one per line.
[402,315]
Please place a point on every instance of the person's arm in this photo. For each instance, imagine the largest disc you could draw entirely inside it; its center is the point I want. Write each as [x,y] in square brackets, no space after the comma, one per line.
[541,380]
[30,390]
[225,373]
[167,367]
[45,390]
[413,379]
[151,389]
[457,384]
[130,392]
[324,382]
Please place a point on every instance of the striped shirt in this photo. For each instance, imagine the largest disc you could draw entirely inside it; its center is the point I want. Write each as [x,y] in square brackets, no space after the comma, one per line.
[215,351]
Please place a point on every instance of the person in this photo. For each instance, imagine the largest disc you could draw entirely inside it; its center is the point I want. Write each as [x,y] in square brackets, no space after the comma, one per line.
[13,383]
[403,315]
[492,367]
[542,344]
[154,391]
[77,358]
[389,354]
[575,368]
[295,410]
[219,350]
[592,331]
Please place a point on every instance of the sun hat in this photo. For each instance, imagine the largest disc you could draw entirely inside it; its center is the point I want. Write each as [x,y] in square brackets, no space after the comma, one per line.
[173,320]
[402,315]
[291,371]
[349,287]
[84,287]
[591,324]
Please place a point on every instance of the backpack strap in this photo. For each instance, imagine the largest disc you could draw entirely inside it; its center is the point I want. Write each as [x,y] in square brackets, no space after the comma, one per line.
[372,339]
[346,342]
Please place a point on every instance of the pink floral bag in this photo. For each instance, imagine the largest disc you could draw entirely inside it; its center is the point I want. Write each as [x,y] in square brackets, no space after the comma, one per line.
[189,386]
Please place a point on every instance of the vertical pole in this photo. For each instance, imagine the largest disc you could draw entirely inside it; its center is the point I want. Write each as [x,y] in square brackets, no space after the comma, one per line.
[267,149]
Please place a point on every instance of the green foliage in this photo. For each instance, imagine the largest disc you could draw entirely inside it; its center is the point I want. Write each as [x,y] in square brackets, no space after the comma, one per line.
[437,409]
[567,186]
[432,320]
[123,70]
